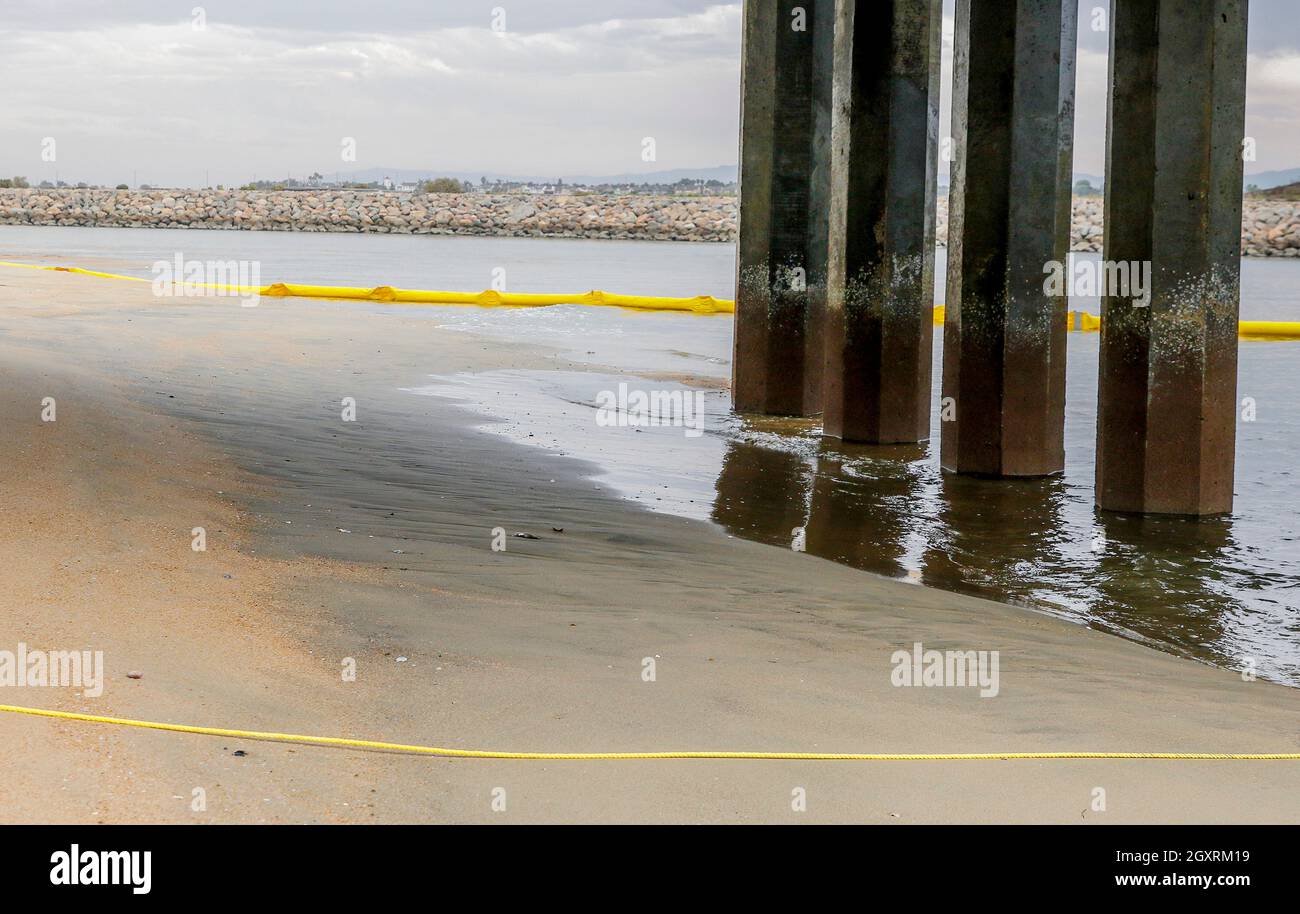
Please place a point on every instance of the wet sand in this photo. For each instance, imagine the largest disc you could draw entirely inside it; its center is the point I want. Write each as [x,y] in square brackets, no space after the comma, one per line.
[371,540]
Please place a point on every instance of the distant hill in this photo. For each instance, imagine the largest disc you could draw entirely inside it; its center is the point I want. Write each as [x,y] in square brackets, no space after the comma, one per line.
[724,173]
[1285,192]
[1095,180]
[1263,180]
[1266,180]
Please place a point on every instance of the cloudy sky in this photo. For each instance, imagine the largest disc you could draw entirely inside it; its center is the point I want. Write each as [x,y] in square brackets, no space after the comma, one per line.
[164,92]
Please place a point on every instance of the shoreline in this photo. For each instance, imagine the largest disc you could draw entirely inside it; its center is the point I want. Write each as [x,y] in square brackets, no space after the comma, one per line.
[373,541]
[1270,228]
[909,521]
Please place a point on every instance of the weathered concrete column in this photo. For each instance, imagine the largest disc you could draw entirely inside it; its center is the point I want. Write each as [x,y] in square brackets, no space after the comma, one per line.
[784,195]
[1003,406]
[880,284]
[1166,417]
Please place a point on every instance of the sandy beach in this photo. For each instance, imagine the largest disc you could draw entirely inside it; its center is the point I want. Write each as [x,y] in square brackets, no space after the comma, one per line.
[371,540]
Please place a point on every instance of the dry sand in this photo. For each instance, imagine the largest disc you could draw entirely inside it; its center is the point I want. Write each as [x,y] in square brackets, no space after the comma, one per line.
[174,414]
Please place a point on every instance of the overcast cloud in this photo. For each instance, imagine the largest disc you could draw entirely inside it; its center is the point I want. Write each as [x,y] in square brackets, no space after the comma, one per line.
[131,91]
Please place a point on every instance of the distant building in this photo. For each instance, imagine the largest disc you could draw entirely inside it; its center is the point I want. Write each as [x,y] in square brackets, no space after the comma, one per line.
[547,189]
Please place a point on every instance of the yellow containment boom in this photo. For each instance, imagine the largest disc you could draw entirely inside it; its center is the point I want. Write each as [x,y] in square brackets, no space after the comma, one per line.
[700,304]
[1083,322]
[1269,330]
[1079,321]
[1075,320]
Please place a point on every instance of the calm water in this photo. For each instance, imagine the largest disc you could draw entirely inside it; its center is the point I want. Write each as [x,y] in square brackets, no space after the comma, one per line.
[1219,590]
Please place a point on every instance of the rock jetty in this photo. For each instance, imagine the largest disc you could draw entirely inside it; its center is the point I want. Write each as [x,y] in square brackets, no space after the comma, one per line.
[1270,228]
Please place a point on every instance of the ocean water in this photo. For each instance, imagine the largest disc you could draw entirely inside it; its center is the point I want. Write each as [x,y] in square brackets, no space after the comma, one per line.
[1224,591]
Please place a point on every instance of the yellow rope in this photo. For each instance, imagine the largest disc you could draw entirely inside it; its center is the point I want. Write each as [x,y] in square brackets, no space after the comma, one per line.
[643,756]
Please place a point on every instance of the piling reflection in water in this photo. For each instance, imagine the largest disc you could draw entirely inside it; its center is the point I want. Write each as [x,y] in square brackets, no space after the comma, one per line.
[861,504]
[1178,584]
[993,537]
[762,493]
[1163,575]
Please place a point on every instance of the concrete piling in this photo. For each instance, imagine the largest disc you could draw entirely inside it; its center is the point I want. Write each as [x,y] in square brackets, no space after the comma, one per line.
[884,161]
[1166,415]
[1003,406]
[784,195]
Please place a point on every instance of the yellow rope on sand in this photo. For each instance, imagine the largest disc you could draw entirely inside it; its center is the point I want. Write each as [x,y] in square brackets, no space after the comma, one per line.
[650,756]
